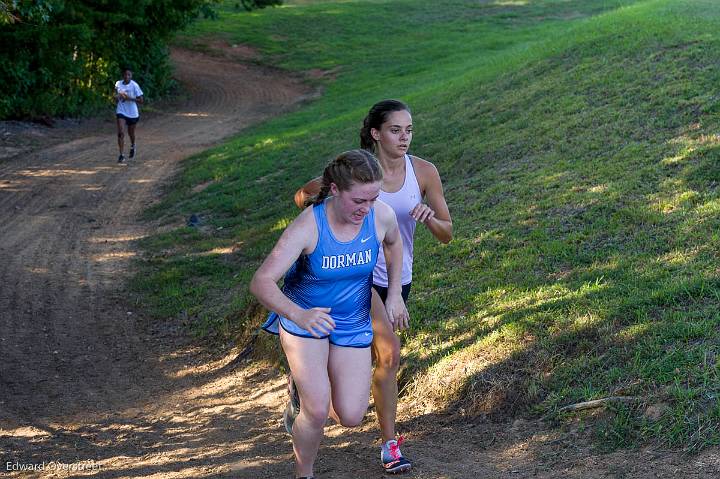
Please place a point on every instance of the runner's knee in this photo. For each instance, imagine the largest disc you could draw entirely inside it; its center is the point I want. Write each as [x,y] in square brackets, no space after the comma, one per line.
[316,414]
[388,354]
[121,134]
[351,418]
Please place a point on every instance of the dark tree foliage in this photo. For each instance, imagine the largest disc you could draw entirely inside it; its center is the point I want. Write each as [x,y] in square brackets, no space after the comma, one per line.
[13,10]
[61,57]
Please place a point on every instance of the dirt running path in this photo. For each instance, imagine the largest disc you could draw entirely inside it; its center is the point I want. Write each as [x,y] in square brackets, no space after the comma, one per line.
[82,376]
[90,388]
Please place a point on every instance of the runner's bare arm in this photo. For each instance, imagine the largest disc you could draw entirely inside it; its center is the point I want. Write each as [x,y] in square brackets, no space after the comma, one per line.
[392,246]
[298,238]
[309,189]
[435,214]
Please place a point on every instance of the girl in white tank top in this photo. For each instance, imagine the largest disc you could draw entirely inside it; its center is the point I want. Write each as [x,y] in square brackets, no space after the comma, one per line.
[417,198]
[402,202]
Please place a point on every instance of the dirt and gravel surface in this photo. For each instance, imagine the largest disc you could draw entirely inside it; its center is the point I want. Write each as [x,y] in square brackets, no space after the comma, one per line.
[90,386]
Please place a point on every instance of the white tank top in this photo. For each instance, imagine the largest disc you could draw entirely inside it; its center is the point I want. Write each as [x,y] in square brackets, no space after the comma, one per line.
[402,202]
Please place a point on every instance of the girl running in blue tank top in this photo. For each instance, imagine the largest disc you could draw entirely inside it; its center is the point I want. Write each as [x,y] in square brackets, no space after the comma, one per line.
[337,274]
[322,314]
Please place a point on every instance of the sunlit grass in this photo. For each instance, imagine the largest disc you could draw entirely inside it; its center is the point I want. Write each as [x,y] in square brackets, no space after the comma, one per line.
[578,144]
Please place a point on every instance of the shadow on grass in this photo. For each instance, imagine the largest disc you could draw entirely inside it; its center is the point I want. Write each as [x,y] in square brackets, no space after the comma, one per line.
[584,313]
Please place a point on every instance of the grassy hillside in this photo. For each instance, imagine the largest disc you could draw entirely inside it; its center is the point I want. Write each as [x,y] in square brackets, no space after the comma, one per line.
[578,142]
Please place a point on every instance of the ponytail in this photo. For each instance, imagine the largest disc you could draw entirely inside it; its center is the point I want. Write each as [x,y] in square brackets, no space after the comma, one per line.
[367,142]
[320,197]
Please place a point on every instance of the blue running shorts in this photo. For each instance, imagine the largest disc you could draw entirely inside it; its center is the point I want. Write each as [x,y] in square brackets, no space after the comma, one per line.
[348,336]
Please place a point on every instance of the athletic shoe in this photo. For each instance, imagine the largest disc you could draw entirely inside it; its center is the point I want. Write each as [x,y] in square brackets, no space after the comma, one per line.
[289,418]
[132,151]
[392,459]
[121,159]
[294,396]
[293,407]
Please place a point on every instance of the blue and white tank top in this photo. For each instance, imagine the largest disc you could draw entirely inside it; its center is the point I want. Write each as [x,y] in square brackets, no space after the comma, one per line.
[335,275]
[402,202]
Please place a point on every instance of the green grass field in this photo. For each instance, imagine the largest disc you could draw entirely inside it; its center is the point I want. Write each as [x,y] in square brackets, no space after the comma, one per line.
[579,144]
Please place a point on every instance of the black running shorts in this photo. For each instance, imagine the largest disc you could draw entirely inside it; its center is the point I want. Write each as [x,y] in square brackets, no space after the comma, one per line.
[382,291]
[128,120]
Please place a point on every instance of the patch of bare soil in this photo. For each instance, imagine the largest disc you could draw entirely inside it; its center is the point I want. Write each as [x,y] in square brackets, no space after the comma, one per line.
[236,51]
[91,387]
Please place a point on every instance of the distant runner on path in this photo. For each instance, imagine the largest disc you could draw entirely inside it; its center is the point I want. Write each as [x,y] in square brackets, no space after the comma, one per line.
[128,94]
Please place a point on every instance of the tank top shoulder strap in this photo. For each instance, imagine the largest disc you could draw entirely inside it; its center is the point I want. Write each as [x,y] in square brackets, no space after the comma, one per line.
[411,180]
[320,218]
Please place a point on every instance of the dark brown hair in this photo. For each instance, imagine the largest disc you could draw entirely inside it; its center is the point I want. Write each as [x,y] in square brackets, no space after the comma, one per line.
[378,115]
[354,166]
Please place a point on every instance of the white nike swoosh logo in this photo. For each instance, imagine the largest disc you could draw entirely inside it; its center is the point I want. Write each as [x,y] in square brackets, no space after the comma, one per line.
[365,239]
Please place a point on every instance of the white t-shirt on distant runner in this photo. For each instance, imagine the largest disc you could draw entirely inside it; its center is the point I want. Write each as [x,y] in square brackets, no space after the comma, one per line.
[128,108]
